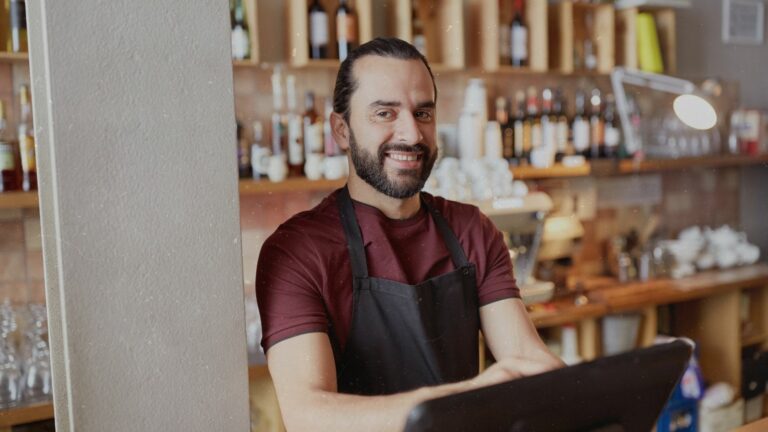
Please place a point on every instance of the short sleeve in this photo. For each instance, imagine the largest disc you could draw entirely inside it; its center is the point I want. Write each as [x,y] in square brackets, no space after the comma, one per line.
[498,280]
[288,294]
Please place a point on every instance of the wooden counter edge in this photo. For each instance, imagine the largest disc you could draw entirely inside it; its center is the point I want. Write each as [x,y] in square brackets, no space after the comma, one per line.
[26,414]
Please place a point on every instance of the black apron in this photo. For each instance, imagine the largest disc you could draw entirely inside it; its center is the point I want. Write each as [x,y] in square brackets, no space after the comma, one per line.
[403,336]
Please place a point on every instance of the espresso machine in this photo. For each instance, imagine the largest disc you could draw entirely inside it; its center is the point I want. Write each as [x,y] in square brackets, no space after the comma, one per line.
[521,221]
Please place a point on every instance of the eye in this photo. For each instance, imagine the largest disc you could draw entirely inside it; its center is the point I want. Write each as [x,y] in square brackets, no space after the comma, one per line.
[385,114]
[423,115]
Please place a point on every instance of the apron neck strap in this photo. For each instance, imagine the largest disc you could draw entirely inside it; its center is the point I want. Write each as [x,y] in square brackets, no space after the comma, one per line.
[451,242]
[355,238]
[352,232]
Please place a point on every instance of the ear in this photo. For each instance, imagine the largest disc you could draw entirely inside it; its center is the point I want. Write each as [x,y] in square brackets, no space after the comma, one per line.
[340,130]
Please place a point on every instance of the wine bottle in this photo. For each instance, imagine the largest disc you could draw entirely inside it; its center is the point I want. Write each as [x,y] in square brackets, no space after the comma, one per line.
[346,29]
[27,142]
[505,38]
[507,129]
[580,126]
[548,121]
[241,39]
[244,168]
[518,121]
[596,142]
[519,37]
[18,15]
[318,31]
[294,130]
[313,127]
[7,155]
[612,131]
[533,120]
[562,145]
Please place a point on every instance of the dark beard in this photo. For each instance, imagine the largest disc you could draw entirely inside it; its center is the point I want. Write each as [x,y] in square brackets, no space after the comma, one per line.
[371,169]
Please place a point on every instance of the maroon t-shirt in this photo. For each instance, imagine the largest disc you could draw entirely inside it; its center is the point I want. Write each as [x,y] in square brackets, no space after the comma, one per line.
[304,278]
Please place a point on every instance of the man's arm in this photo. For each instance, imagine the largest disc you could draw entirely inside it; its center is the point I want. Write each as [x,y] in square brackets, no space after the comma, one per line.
[510,334]
[304,374]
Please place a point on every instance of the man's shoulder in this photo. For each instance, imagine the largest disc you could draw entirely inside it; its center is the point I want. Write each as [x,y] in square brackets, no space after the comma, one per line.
[453,211]
[317,224]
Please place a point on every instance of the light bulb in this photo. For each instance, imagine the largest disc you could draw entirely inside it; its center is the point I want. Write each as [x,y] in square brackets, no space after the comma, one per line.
[695,111]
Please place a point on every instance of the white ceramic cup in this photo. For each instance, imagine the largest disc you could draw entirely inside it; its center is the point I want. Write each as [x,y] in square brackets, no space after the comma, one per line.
[278,168]
[314,166]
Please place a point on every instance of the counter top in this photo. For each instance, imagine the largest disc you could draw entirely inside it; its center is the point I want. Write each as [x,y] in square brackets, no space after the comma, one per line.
[637,295]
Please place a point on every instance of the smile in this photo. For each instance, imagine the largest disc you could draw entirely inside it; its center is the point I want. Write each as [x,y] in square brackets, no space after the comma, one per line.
[406,157]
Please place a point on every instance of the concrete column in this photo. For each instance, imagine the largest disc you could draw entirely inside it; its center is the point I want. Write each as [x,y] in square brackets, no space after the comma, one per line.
[134,118]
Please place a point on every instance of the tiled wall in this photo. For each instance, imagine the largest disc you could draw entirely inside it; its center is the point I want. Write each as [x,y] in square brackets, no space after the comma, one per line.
[21,258]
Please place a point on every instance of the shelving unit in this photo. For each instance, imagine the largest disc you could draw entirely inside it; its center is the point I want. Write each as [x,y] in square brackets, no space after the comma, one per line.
[25,414]
[626,35]
[18,199]
[10,57]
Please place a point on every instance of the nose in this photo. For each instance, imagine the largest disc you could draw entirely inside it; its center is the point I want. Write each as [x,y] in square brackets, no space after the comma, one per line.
[407,129]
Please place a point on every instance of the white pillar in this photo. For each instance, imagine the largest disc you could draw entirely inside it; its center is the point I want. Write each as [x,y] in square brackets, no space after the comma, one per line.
[134,118]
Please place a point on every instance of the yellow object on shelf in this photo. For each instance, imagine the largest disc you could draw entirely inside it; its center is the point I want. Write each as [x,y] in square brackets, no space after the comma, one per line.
[648,49]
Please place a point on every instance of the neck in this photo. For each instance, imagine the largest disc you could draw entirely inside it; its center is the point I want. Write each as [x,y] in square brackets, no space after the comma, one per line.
[393,208]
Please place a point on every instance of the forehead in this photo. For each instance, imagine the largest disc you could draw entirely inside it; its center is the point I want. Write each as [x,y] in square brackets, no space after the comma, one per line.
[391,79]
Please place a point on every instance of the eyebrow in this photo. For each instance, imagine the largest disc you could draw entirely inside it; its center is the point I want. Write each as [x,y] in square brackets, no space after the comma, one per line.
[383,103]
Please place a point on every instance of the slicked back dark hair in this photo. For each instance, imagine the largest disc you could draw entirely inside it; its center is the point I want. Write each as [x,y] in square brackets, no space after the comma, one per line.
[382,47]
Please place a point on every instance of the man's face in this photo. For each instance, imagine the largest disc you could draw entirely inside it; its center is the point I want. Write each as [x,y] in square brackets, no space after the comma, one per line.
[392,125]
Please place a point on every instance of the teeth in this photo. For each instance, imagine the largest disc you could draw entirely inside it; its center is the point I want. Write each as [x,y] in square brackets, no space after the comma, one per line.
[402,157]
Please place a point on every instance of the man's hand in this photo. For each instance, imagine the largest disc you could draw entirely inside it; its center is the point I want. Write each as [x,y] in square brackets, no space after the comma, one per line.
[511,368]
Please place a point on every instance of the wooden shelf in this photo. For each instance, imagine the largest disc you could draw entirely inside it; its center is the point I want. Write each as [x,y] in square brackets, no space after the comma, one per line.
[297,184]
[26,414]
[630,166]
[531,173]
[639,295]
[11,57]
[18,199]
[753,339]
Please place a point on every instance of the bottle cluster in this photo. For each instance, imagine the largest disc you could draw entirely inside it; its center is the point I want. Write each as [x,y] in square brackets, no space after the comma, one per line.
[319,30]
[300,141]
[18,168]
[537,129]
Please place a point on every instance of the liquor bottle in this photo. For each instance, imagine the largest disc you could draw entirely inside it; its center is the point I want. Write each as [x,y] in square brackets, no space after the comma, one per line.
[519,37]
[580,126]
[505,38]
[278,121]
[241,39]
[612,131]
[533,122]
[294,130]
[596,142]
[507,129]
[318,31]
[18,15]
[313,127]
[562,146]
[244,168]
[259,152]
[7,155]
[548,121]
[346,29]
[419,39]
[27,142]
[518,124]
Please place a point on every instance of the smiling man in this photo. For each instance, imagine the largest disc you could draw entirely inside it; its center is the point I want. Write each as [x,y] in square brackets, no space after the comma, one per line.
[372,301]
